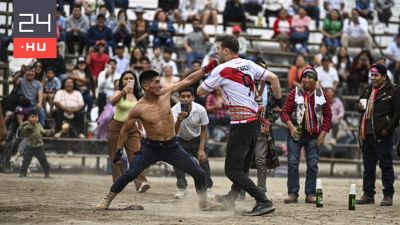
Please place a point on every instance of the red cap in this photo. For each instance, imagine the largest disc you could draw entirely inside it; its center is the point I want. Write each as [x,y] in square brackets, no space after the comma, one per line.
[236,29]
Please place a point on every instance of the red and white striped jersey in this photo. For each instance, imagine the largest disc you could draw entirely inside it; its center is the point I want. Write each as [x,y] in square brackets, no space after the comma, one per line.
[236,81]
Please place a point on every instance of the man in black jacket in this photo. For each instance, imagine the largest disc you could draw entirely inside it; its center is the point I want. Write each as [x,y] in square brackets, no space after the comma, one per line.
[380,117]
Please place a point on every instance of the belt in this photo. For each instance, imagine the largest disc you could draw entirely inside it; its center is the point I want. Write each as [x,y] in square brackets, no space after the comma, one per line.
[157,142]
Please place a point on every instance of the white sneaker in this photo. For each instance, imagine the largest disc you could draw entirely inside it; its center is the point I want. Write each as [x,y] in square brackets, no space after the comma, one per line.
[210,194]
[106,201]
[180,194]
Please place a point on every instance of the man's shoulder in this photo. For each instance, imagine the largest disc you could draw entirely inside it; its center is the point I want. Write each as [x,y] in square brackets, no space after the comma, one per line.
[198,107]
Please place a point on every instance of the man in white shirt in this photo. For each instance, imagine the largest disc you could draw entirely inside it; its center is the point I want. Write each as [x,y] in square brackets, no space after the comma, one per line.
[235,77]
[122,62]
[355,32]
[393,54]
[167,61]
[327,75]
[105,83]
[191,127]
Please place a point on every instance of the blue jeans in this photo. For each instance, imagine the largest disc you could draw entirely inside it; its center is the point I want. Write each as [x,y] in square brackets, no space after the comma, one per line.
[334,42]
[299,37]
[168,151]
[378,152]
[190,57]
[112,3]
[312,158]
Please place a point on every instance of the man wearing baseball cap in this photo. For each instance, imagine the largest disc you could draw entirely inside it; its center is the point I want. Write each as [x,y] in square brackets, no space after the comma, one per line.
[380,113]
[308,115]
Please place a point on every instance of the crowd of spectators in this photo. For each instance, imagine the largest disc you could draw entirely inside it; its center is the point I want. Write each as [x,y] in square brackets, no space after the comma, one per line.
[104,43]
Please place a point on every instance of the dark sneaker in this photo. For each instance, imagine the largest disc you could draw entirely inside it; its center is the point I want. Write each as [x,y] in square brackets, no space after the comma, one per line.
[226,201]
[310,199]
[365,200]
[387,201]
[22,175]
[261,208]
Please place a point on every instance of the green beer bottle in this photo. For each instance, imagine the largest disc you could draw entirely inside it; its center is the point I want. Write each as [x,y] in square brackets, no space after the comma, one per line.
[352,197]
[319,196]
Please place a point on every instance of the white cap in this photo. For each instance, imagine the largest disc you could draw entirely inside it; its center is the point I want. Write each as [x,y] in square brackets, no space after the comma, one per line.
[353,189]
[319,184]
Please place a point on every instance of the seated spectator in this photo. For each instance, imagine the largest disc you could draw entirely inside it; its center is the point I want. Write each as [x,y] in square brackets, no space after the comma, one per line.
[105,83]
[140,29]
[332,30]
[58,65]
[323,51]
[243,43]
[282,29]
[300,31]
[330,5]
[359,72]
[122,61]
[364,9]
[272,9]
[337,109]
[392,52]
[169,78]
[217,111]
[102,9]
[327,75]
[122,32]
[100,32]
[51,86]
[342,62]
[66,131]
[77,26]
[167,60]
[97,60]
[355,32]
[195,43]
[83,80]
[39,72]
[234,12]
[111,4]
[312,8]
[163,30]
[209,12]
[69,107]
[135,63]
[383,7]
[32,90]
[294,74]
[156,60]
[293,8]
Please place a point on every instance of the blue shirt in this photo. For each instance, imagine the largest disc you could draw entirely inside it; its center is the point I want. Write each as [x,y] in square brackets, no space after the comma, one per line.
[52,85]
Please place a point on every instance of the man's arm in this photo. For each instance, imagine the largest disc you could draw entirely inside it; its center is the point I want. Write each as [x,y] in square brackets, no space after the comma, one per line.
[275,86]
[40,99]
[201,154]
[195,76]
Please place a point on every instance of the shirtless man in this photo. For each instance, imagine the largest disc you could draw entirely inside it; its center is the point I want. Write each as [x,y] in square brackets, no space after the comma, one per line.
[154,111]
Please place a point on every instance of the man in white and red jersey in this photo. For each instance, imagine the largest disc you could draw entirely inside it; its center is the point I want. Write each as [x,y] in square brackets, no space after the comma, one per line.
[235,77]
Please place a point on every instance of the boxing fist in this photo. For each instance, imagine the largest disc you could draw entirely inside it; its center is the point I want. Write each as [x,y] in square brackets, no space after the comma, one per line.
[210,66]
[118,156]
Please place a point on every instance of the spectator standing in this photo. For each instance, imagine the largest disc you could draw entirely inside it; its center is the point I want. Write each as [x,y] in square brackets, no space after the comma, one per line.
[191,129]
[379,118]
[97,60]
[195,43]
[105,84]
[307,128]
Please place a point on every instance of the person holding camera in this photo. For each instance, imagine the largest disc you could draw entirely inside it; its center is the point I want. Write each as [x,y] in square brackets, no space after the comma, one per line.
[124,99]
[380,113]
[191,127]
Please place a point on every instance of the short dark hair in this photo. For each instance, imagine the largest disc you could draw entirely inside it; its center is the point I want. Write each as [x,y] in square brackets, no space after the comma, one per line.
[32,112]
[145,59]
[228,41]
[147,75]
[168,50]
[79,6]
[189,89]
[196,61]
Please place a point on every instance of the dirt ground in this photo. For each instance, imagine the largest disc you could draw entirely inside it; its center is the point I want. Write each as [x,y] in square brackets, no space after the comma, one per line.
[70,199]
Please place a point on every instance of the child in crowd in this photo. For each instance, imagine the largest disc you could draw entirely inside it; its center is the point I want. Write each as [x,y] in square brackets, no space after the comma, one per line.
[33,132]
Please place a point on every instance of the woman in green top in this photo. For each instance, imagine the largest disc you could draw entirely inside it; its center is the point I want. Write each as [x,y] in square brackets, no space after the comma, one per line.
[124,99]
[332,30]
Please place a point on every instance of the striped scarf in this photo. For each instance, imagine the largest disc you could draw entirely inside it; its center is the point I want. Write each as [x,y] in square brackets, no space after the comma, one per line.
[368,112]
[309,116]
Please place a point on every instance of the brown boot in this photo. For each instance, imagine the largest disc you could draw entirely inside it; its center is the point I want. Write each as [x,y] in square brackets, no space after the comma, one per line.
[365,200]
[387,201]
[310,199]
[106,201]
[292,198]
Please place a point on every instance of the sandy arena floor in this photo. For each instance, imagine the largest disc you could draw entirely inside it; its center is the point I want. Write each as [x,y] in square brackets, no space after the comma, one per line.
[70,199]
